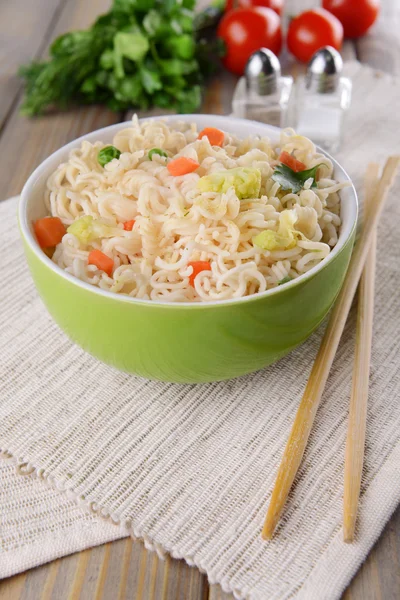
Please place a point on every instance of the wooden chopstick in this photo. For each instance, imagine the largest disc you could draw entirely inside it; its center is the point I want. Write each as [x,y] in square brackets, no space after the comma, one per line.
[316,383]
[359,393]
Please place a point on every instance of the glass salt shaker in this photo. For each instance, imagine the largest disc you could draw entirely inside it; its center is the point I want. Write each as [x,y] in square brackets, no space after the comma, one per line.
[322,98]
[262,94]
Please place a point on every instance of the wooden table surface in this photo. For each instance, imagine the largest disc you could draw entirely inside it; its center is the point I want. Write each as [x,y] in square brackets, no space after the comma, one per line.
[124,569]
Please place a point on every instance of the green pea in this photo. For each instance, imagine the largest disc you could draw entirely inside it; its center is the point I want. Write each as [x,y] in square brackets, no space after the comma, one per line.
[106,154]
[157,151]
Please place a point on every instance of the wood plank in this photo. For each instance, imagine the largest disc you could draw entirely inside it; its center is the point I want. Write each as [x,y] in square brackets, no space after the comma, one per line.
[11,588]
[32,140]
[216,593]
[35,583]
[52,573]
[116,571]
[94,575]
[379,576]
[77,582]
[217,99]
[150,578]
[65,575]
[122,570]
[21,40]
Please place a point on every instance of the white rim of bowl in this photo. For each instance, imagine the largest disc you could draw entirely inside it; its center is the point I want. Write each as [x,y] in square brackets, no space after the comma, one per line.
[26,231]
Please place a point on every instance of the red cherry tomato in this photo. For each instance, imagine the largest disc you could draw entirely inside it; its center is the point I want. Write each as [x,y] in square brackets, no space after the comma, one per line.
[356,17]
[245,30]
[276,5]
[311,30]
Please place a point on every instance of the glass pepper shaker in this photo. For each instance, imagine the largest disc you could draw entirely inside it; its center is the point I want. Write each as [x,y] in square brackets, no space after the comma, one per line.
[322,98]
[262,94]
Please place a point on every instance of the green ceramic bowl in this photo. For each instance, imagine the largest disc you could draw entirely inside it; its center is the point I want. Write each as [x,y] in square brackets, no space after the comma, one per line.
[187,343]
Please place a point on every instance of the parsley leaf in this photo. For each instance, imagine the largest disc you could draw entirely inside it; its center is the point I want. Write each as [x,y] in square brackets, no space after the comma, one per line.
[292,180]
[129,45]
[151,80]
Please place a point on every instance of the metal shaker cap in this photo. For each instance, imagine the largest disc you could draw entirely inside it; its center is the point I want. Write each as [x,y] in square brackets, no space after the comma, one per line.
[323,71]
[262,72]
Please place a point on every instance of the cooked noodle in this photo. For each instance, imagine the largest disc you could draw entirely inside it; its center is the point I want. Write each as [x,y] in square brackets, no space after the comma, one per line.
[176,223]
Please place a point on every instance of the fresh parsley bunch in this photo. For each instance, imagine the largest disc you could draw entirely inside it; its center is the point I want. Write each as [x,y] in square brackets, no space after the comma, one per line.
[142,53]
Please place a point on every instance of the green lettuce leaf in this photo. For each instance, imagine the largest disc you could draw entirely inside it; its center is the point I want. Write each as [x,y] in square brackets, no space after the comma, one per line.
[87,229]
[285,238]
[246,182]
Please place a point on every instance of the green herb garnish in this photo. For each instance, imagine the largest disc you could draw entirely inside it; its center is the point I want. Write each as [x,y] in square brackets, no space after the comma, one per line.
[106,154]
[156,151]
[141,53]
[292,180]
[285,280]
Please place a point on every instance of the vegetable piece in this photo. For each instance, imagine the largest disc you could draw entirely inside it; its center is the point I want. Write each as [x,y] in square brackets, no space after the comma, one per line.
[246,182]
[285,238]
[49,231]
[245,30]
[128,225]
[271,240]
[49,251]
[290,161]
[87,229]
[276,5]
[198,266]
[156,151]
[285,280]
[312,30]
[215,136]
[356,18]
[182,47]
[292,180]
[182,166]
[107,154]
[101,261]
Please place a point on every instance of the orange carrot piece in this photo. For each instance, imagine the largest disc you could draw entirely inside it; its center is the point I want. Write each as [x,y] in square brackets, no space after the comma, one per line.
[128,225]
[101,261]
[182,166]
[49,231]
[215,136]
[291,162]
[198,266]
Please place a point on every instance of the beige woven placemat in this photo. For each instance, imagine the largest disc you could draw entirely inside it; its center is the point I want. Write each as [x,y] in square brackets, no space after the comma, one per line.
[190,468]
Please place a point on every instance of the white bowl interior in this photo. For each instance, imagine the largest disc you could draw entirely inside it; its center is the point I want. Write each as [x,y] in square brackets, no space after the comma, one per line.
[32,204]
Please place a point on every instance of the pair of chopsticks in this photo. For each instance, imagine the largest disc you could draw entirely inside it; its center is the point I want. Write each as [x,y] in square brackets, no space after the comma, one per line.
[364,254]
